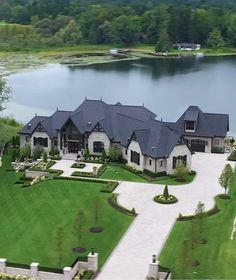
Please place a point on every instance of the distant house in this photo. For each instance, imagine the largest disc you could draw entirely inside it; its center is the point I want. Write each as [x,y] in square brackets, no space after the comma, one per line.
[188,47]
[118,52]
[145,142]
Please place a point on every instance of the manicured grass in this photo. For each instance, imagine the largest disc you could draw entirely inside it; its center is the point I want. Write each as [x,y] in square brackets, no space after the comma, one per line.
[217,258]
[172,181]
[30,218]
[116,172]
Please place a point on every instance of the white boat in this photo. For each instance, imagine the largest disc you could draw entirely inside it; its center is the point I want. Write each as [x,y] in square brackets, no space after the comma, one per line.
[199,54]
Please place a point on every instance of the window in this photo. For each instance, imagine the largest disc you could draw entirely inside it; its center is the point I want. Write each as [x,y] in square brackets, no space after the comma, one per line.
[126,151]
[150,162]
[27,138]
[161,163]
[217,142]
[190,125]
[135,157]
[98,147]
[55,142]
[41,141]
[179,160]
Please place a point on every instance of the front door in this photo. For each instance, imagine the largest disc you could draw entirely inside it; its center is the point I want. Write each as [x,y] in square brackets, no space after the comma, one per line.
[73,146]
[198,145]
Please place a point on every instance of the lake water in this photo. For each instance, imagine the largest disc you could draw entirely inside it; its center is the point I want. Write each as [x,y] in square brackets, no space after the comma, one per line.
[165,86]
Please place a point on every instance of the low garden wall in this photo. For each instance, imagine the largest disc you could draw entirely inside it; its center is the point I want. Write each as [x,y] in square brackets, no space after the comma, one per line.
[35,174]
[34,270]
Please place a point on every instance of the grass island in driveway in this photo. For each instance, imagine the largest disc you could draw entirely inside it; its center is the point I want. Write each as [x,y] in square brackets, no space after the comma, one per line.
[30,218]
[217,257]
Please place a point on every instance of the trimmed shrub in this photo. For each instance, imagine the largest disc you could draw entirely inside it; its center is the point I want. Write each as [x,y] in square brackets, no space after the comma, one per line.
[113,202]
[110,187]
[131,169]
[25,152]
[86,154]
[163,200]
[166,192]
[115,154]
[217,150]
[181,173]
[232,156]
[37,152]
[78,165]
[45,157]
[54,151]
[104,155]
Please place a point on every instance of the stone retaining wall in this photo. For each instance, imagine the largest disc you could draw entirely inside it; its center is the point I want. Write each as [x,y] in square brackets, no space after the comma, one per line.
[68,272]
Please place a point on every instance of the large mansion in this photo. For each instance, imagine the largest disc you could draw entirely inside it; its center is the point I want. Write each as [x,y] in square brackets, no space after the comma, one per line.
[145,142]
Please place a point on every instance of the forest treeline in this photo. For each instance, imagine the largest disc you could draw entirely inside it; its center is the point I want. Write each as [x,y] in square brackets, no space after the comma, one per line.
[27,24]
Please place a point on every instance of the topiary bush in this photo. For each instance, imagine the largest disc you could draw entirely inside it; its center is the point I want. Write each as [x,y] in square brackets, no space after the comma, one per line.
[37,152]
[181,173]
[165,198]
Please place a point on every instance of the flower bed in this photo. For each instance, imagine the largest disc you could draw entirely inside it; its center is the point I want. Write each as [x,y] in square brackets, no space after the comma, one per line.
[165,200]
[78,165]
[42,166]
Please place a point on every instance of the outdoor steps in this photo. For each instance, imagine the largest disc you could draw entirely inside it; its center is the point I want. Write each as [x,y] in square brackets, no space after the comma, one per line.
[69,156]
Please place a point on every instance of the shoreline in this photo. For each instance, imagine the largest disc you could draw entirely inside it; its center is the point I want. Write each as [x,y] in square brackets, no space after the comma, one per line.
[82,56]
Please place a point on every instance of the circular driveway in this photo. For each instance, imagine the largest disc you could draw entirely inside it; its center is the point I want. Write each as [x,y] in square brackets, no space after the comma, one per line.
[147,234]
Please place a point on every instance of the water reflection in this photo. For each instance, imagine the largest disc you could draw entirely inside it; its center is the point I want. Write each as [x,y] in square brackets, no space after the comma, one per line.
[165,86]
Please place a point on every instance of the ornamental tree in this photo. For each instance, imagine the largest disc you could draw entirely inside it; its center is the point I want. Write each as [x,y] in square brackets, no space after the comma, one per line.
[226,176]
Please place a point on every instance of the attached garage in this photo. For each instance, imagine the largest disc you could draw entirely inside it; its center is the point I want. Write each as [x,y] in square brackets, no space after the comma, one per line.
[198,145]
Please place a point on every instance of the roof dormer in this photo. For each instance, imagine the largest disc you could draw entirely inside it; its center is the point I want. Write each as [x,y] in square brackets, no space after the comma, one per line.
[190,119]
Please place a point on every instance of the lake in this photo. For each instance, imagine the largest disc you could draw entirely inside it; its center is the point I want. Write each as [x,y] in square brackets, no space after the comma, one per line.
[167,86]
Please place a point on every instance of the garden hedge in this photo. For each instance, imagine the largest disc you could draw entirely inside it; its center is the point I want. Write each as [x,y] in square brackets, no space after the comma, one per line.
[113,202]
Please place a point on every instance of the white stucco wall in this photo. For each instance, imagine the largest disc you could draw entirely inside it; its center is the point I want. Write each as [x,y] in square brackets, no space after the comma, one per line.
[43,135]
[179,150]
[134,146]
[209,142]
[98,136]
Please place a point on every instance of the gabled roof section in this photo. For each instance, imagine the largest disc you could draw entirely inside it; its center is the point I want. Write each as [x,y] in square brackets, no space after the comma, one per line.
[192,114]
[32,124]
[156,140]
[208,125]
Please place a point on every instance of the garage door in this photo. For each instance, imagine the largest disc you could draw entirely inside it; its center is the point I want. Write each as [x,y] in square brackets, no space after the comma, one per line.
[198,145]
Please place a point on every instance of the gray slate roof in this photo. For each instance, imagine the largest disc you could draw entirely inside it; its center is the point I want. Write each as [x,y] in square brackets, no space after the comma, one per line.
[120,122]
[208,125]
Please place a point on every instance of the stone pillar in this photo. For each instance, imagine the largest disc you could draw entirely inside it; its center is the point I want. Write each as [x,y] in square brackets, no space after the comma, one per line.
[34,269]
[153,269]
[2,265]
[66,272]
[93,261]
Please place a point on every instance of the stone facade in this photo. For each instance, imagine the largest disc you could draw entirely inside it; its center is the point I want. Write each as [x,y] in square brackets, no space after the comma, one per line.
[134,146]
[208,142]
[38,134]
[179,150]
[218,142]
[98,137]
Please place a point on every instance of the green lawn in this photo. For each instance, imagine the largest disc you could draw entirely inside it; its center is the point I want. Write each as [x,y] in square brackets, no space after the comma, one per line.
[116,172]
[217,258]
[30,217]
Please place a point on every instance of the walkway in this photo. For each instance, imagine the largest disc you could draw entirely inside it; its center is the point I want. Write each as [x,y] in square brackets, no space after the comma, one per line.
[148,232]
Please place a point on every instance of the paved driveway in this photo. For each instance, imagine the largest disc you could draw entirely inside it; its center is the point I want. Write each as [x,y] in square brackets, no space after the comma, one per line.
[148,232]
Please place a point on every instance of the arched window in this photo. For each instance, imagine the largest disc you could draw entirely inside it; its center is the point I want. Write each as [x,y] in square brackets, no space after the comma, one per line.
[98,147]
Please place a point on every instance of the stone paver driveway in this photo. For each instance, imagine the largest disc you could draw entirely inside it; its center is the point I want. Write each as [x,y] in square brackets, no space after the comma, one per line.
[148,232]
